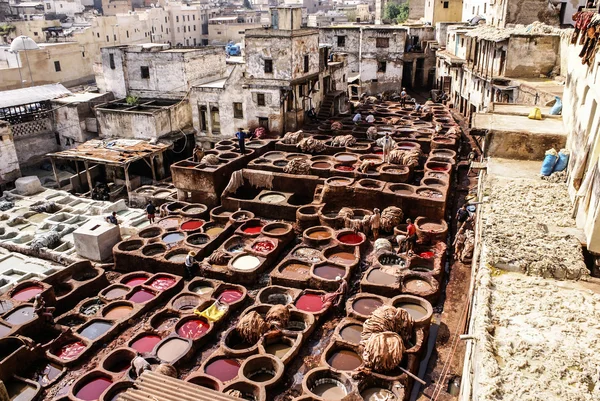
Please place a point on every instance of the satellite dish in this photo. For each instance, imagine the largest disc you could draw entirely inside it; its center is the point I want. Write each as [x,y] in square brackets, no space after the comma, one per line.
[23,42]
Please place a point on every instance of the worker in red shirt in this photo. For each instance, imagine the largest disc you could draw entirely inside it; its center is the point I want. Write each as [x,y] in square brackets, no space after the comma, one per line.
[411,232]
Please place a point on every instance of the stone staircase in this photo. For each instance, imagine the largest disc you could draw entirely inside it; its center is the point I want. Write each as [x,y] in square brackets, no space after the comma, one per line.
[326,108]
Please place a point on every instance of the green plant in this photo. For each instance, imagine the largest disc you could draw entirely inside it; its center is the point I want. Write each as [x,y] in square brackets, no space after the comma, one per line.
[396,12]
[132,100]
[6,29]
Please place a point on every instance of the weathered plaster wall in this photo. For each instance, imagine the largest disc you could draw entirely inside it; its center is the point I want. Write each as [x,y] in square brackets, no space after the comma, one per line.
[529,56]
[527,11]
[416,9]
[436,12]
[9,163]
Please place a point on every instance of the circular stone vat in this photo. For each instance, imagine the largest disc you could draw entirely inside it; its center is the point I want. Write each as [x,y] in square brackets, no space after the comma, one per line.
[233,342]
[318,235]
[378,393]
[118,310]
[376,276]
[114,291]
[308,255]
[129,246]
[293,156]
[194,209]
[419,308]
[279,346]
[145,343]
[212,230]
[343,359]
[118,361]
[172,349]
[90,390]
[171,239]
[224,147]
[295,270]
[342,167]
[402,189]
[417,284]
[280,163]
[366,305]
[263,369]
[272,197]
[177,256]
[142,296]
[321,165]
[201,287]
[346,158]
[21,315]
[164,321]
[351,238]
[230,295]
[437,166]
[274,296]
[370,184]
[150,232]
[252,227]
[198,239]
[26,292]
[169,223]
[391,259]
[85,275]
[70,351]
[432,193]
[264,246]
[245,262]
[132,280]
[204,381]
[309,302]
[224,369]
[173,206]
[95,329]
[338,181]
[162,282]
[91,307]
[227,156]
[192,327]
[192,225]
[187,302]
[329,272]
[327,385]
[71,321]
[351,333]
[340,256]
[276,229]
[274,155]
[434,183]
[154,250]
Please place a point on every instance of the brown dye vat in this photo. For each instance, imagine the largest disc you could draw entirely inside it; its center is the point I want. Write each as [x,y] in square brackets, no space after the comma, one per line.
[320,234]
[321,165]
[366,306]
[344,359]
[115,292]
[21,315]
[417,312]
[172,349]
[344,258]
[352,333]
[417,285]
[376,276]
[118,312]
[329,272]
[278,349]
[329,389]
[296,270]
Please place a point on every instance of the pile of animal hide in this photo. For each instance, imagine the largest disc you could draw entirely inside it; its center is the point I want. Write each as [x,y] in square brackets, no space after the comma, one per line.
[382,352]
[292,138]
[382,244]
[390,217]
[218,258]
[167,370]
[46,240]
[405,157]
[297,166]
[251,327]
[6,205]
[210,160]
[343,140]
[235,182]
[260,133]
[388,318]
[311,145]
[278,317]
[45,207]
[372,133]
[336,126]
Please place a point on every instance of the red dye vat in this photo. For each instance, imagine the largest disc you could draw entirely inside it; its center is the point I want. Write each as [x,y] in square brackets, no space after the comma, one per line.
[223,369]
[438,168]
[379,152]
[264,246]
[193,329]
[192,225]
[92,390]
[70,351]
[162,283]
[136,281]
[350,239]
[426,255]
[141,296]
[253,229]
[344,168]
[310,303]
[230,296]
[27,293]
[145,343]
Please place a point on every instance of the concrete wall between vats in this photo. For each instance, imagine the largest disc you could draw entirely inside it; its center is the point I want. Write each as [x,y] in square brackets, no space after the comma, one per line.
[96,239]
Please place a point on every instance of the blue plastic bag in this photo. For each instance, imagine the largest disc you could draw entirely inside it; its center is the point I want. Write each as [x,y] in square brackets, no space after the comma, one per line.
[548,164]
[562,162]
[556,110]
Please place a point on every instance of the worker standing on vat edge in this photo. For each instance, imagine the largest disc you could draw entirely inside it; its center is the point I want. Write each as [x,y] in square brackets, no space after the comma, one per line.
[241,136]
[190,260]
[387,147]
[375,223]
[411,231]
[150,212]
[43,311]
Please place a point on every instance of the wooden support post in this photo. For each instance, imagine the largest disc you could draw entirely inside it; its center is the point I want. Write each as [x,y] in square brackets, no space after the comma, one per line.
[152,168]
[127,181]
[77,171]
[55,173]
[89,177]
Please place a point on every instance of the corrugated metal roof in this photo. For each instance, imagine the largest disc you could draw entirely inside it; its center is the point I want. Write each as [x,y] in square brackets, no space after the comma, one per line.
[152,386]
[18,97]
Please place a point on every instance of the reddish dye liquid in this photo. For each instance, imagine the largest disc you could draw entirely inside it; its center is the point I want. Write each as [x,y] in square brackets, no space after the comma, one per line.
[350,239]
[70,351]
[141,296]
[426,255]
[230,296]
[193,329]
[310,303]
[379,152]
[92,390]
[162,283]
[223,369]
[253,229]
[438,168]
[264,246]
[136,281]
[27,293]
[344,168]
[145,343]
[192,225]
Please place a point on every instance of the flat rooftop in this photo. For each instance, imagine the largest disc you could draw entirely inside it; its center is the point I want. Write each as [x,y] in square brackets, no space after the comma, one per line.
[518,123]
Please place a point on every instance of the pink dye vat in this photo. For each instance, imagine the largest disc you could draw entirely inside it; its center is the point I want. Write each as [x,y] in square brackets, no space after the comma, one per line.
[264,246]
[192,225]
[27,293]
[438,168]
[136,281]
[141,296]
[310,303]
[92,390]
[344,168]
[162,283]
[193,329]
[223,369]
[253,229]
[350,239]
[230,296]
[70,351]
[426,255]
[145,343]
